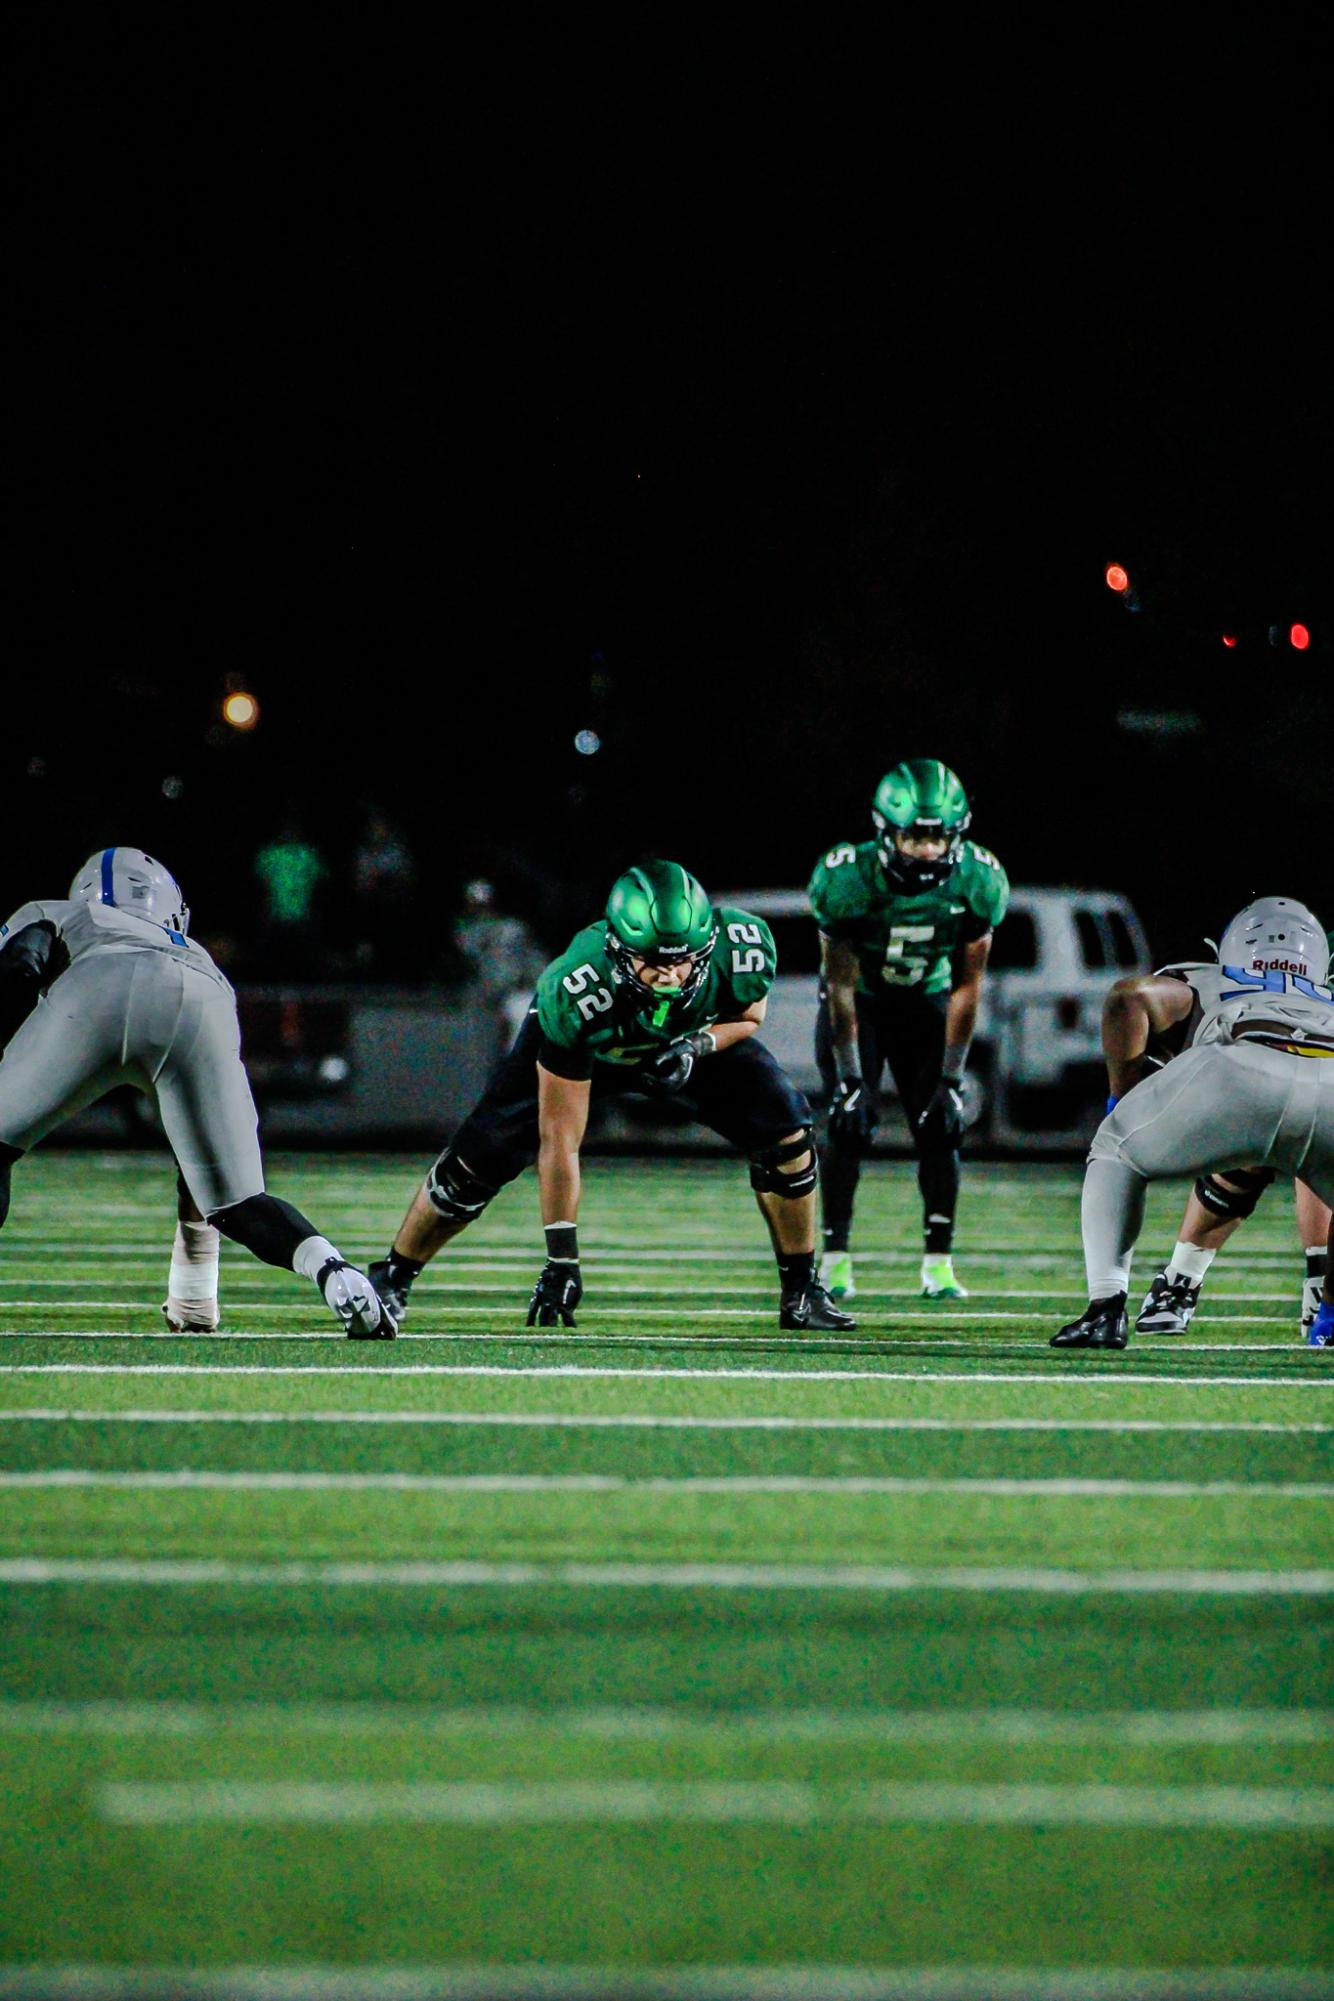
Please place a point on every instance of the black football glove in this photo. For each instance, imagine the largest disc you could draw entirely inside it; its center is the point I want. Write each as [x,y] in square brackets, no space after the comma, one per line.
[555,1296]
[670,1071]
[946,1109]
[851,1112]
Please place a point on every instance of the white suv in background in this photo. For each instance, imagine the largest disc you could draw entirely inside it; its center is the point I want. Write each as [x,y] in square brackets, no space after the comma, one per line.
[1037,1057]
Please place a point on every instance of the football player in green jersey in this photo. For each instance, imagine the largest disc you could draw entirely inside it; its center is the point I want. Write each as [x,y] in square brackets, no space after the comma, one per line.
[662,995]
[905,926]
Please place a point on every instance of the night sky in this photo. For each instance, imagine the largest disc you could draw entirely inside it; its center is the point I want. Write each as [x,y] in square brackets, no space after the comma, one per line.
[767,403]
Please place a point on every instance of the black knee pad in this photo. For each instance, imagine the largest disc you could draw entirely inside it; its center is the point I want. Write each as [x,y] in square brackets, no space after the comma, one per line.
[766,1169]
[1239,1201]
[455,1192]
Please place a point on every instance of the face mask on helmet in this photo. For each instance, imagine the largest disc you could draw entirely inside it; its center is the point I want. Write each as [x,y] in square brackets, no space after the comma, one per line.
[1275,934]
[128,879]
[649,994]
[915,872]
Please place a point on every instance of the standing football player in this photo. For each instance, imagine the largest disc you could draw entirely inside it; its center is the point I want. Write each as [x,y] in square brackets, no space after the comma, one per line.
[1253,1088]
[905,930]
[1215,1209]
[663,995]
[104,988]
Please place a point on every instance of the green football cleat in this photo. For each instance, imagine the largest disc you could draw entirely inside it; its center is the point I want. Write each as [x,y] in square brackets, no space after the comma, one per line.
[836,1275]
[938,1280]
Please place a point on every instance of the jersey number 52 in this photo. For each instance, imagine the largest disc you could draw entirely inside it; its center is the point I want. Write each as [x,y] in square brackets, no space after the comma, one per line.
[751,961]
[589,1004]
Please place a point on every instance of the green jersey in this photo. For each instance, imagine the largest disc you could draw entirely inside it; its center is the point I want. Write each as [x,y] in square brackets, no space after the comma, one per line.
[587,1015]
[902,939]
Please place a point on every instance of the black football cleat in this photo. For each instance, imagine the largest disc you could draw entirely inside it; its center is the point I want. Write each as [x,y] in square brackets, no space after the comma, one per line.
[1102,1324]
[812,1311]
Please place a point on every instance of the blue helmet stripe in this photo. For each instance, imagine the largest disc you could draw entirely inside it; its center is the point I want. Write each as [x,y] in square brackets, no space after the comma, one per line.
[108,887]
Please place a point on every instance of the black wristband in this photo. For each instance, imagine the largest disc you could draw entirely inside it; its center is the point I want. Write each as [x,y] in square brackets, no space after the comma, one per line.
[562,1243]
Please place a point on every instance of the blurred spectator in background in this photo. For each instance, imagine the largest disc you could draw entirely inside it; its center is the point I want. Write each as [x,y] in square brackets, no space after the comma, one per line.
[290,869]
[384,881]
[504,957]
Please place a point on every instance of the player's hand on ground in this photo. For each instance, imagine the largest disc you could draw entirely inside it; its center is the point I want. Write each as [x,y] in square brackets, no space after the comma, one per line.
[555,1296]
[946,1106]
[851,1113]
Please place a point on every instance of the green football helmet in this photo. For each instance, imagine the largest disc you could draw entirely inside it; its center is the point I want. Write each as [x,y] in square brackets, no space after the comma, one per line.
[660,913]
[921,797]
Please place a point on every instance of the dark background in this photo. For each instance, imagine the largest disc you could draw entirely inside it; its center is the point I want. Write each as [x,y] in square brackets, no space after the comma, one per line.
[767,400]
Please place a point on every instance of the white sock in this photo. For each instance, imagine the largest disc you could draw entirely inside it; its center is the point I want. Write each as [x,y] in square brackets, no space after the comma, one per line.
[1189,1261]
[311,1256]
[194,1264]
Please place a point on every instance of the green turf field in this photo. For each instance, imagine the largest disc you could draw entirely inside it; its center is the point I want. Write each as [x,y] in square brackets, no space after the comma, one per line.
[676,1655]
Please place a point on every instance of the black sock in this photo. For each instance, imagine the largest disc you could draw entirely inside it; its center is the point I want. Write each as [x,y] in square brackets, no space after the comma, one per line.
[796,1272]
[836,1235]
[402,1270]
[1315,1263]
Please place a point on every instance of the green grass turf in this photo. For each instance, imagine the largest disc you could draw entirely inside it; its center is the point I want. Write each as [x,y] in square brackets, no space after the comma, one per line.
[1187,1699]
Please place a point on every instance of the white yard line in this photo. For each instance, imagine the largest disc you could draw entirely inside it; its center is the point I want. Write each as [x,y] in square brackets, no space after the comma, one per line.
[198,1479]
[564,1420]
[772,1802]
[1010,1728]
[356,1366]
[250,1291]
[459,1981]
[934,1317]
[188,1571]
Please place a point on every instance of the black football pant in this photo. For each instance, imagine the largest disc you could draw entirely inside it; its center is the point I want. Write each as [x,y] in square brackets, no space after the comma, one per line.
[741,1094]
[905,1029]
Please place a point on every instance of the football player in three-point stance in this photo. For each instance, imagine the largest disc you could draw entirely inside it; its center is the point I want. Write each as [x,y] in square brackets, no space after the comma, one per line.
[104,987]
[1253,1088]
[905,926]
[1215,1209]
[662,995]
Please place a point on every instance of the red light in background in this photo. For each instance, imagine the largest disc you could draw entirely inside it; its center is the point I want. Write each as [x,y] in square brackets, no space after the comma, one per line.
[1229,639]
[1115,578]
[1299,637]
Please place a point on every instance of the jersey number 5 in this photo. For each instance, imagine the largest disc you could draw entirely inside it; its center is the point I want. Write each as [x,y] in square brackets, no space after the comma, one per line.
[596,1002]
[751,961]
[903,968]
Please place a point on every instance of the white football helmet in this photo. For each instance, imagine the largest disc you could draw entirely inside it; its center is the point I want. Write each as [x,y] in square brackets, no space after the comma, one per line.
[128,879]
[1276,934]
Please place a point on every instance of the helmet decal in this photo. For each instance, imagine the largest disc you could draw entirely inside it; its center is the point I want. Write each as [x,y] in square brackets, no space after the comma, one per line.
[1276,934]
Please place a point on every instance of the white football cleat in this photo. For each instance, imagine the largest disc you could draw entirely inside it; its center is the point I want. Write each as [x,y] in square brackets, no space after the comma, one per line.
[192,1316]
[350,1294]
